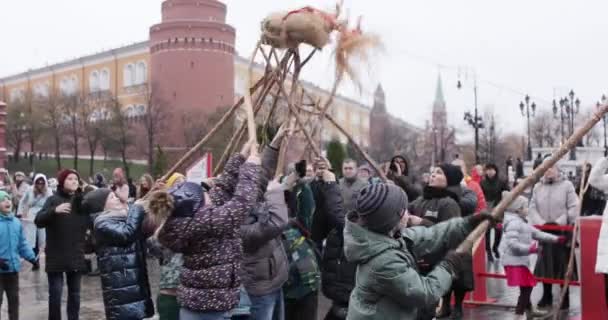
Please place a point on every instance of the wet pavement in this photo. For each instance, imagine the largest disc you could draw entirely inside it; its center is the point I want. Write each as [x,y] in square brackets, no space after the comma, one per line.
[33,295]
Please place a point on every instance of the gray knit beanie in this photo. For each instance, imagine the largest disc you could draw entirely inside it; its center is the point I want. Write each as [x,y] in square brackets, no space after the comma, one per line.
[379,206]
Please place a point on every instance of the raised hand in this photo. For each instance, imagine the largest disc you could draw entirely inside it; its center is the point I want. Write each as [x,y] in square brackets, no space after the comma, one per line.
[245,151]
[64,208]
[254,156]
[278,137]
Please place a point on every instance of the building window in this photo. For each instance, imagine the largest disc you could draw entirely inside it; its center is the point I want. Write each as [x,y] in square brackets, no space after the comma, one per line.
[129,111]
[68,86]
[128,75]
[17,95]
[104,79]
[141,73]
[355,119]
[94,81]
[141,110]
[73,84]
[41,90]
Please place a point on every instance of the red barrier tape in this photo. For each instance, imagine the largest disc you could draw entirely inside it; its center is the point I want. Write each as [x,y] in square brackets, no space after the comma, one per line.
[551,227]
[543,280]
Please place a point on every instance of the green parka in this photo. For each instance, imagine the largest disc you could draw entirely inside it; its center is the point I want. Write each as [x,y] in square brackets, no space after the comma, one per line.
[389,285]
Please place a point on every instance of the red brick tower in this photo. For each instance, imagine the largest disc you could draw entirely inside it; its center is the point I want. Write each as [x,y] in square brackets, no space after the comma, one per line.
[2,134]
[192,61]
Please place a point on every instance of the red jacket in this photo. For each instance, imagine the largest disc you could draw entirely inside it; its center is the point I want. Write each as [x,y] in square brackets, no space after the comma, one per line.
[473,184]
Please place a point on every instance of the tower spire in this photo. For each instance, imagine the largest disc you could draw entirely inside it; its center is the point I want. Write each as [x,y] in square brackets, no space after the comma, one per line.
[439,99]
[379,100]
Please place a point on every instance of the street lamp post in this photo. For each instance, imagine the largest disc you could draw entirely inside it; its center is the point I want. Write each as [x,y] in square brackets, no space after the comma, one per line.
[474,119]
[604,121]
[561,117]
[527,113]
[571,112]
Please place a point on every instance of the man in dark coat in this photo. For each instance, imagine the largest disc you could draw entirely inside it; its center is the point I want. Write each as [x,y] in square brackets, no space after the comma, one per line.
[493,187]
[66,225]
[337,274]
[519,169]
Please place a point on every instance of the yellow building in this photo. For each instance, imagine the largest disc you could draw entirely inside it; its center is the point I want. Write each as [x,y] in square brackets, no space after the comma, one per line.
[124,73]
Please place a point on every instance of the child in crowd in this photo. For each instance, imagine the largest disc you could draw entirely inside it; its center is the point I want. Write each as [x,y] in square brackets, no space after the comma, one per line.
[12,246]
[517,247]
[377,239]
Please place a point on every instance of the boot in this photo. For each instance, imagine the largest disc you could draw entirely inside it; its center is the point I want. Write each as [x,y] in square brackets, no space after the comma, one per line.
[445,310]
[496,254]
[456,314]
[566,303]
[535,313]
[490,257]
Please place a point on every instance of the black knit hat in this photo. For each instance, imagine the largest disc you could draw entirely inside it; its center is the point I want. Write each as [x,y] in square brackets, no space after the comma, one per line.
[380,206]
[95,201]
[453,174]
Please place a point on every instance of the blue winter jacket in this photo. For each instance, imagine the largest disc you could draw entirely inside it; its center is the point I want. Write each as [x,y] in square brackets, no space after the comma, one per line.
[13,245]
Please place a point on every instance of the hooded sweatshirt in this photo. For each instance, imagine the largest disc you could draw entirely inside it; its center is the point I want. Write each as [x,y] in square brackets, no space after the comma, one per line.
[554,202]
[32,201]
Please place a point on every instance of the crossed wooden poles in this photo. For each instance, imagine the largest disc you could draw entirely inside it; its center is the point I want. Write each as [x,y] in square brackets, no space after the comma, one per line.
[281,68]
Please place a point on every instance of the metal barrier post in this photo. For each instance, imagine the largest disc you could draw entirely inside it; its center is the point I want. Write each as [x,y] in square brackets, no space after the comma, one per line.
[593,301]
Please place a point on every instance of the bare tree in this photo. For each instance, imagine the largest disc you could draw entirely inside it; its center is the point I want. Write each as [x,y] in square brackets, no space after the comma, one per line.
[154,120]
[71,108]
[15,127]
[33,125]
[121,126]
[91,121]
[196,124]
[51,108]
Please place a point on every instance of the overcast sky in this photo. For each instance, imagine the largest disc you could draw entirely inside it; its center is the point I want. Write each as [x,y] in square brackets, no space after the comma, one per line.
[541,47]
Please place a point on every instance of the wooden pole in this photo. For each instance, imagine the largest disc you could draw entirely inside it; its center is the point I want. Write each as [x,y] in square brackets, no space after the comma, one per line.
[248,102]
[468,245]
[212,132]
[237,136]
[359,149]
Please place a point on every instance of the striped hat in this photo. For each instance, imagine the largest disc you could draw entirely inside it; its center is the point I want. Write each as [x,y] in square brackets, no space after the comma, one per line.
[379,206]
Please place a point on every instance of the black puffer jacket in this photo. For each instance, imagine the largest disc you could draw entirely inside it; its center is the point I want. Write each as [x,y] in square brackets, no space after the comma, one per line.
[337,274]
[65,233]
[121,256]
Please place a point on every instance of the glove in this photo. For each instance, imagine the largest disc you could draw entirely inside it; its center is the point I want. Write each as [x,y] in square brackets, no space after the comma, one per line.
[562,240]
[534,248]
[35,263]
[476,219]
[498,226]
[456,262]
[3,264]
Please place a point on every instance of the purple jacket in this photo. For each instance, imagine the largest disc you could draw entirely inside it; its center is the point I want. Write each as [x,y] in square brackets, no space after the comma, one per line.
[211,242]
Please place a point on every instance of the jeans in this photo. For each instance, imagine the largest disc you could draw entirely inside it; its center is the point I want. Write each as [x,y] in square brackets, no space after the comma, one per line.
[55,291]
[268,307]
[9,283]
[185,314]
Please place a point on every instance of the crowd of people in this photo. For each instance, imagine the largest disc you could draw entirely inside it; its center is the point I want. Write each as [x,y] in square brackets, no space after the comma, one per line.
[251,245]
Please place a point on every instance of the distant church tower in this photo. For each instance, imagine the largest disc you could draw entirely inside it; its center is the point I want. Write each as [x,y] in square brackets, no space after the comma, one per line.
[378,121]
[443,135]
[192,60]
